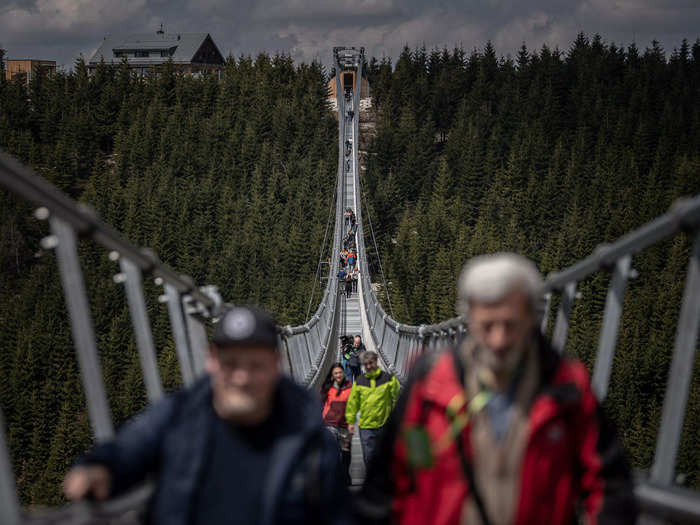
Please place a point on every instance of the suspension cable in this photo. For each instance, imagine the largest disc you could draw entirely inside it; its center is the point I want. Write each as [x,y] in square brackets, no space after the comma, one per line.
[374,240]
[320,255]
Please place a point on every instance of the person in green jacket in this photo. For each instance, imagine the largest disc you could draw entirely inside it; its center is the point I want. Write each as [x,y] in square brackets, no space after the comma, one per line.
[373,395]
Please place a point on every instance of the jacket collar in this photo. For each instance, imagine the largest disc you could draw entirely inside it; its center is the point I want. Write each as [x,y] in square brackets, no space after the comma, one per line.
[374,374]
[446,380]
[299,420]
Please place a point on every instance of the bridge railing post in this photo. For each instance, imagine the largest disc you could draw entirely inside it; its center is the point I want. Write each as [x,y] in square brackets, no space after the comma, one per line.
[82,329]
[285,363]
[610,328]
[9,503]
[561,328]
[197,336]
[679,376]
[179,330]
[142,328]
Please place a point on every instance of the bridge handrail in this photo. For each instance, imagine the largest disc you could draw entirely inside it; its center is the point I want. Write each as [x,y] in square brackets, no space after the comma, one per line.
[684,214]
[319,353]
[22,180]
[303,348]
[400,344]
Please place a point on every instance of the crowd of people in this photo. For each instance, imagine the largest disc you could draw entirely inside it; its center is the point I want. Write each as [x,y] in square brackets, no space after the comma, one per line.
[349,391]
[349,272]
[498,429]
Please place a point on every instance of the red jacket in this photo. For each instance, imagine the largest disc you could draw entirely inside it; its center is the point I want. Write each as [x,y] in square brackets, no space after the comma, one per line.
[334,405]
[572,456]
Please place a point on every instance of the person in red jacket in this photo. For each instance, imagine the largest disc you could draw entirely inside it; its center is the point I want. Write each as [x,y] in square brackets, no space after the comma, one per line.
[500,429]
[334,396]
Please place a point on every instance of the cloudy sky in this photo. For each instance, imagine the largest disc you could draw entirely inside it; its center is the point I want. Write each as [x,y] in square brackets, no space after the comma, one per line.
[62,29]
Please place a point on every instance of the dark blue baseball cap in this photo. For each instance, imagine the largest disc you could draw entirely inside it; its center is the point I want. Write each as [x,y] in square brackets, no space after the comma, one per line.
[244,326]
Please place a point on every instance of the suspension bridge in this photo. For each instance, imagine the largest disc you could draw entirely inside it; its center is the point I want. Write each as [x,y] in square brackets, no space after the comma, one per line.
[308,350]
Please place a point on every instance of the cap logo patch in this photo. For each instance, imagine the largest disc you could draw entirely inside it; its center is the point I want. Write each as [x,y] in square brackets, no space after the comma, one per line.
[239,324]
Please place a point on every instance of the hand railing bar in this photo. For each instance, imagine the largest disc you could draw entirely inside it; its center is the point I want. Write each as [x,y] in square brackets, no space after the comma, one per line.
[674,504]
[561,328]
[305,339]
[328,297]
[285,362]
[142,329]
[23,181]
[611,324]
[197,335]
[392,323]
[82,329]
[300,351]
[9,503]
[179,331]
[679,377]
[684,213]
[398,343]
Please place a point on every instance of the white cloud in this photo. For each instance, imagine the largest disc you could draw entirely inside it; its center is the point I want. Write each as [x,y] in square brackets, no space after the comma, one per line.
[67,17]
[309,29]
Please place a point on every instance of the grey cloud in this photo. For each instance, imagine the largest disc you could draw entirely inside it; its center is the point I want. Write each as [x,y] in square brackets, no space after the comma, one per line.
[308,29]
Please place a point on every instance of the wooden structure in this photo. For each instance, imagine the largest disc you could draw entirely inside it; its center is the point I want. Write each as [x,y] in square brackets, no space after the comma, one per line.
[347,81]
[28,67]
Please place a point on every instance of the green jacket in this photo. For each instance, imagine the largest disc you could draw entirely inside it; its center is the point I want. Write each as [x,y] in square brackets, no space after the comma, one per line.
[374,395]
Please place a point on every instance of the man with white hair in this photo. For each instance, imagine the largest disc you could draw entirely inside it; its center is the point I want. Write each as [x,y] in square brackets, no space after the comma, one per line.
[500,429]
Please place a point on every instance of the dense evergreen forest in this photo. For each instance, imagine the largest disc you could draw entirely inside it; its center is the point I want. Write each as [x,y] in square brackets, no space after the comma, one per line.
[547,154]
[229,180]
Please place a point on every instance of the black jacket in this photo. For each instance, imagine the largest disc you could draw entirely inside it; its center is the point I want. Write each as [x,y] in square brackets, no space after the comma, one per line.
[170,440]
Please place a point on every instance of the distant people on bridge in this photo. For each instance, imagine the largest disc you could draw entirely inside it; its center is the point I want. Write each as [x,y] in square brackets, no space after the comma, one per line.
[351,358]
[373,395]
[345,346]
[343,258]
[335,392]
[349,240]
[501,428]
[349,217]
[352,259]
[348,285]
[243,441]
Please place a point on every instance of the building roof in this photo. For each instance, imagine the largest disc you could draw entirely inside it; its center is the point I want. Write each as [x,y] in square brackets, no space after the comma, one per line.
[182,46]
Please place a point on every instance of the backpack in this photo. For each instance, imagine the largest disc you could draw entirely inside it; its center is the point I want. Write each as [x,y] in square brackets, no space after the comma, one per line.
[354,361]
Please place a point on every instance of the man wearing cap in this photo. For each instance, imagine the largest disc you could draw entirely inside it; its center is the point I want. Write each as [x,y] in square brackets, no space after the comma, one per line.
[243,444]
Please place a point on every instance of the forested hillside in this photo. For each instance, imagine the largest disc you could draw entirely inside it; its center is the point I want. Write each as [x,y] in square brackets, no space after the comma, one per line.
[547,154]
[230,181]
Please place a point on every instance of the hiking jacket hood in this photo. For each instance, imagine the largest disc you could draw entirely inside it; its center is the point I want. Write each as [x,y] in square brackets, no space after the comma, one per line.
[171,440]
[571,457]
[374,395]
